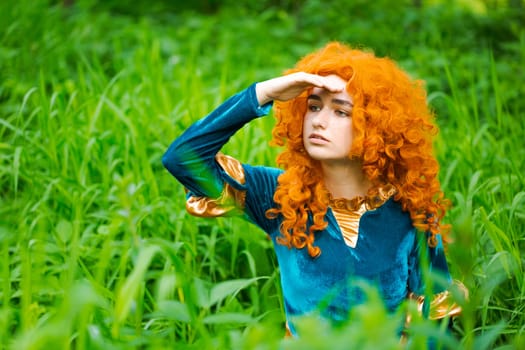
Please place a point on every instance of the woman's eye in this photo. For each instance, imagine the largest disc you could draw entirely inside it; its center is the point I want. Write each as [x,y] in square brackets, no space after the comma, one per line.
[342,113]
[314,108]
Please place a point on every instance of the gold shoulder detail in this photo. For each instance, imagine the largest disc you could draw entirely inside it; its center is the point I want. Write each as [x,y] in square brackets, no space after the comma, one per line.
[231,201]
[232,167]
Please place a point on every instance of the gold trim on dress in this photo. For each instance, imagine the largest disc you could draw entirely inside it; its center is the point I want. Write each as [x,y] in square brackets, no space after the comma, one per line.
[230,202]
[442,304]
[348,212]
[348,222]
[232,167]
[287,332]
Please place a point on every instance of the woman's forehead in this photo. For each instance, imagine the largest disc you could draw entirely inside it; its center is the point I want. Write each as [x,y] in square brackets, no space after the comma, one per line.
[321,93]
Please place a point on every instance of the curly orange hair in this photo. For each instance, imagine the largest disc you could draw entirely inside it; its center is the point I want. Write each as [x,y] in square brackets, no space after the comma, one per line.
[393,130]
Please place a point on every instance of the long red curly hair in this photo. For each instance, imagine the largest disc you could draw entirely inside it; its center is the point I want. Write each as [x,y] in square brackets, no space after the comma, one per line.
[393,130]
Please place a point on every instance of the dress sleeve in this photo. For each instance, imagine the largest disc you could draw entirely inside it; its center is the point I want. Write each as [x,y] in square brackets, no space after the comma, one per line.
[430,264]
[216,184]
[191,158]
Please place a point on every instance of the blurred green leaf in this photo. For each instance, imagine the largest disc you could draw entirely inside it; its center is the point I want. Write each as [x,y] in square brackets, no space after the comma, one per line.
[225,289]
[129,289]
[64,231]
[227,317]
[173,310]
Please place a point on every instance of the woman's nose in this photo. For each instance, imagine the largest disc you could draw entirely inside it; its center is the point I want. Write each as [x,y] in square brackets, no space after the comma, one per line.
[320,120]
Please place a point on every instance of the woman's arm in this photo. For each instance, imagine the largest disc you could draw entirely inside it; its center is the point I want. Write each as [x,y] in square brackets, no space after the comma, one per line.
[191,157]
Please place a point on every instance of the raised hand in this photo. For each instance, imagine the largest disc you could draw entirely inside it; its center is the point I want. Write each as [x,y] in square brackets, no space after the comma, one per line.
[290,86]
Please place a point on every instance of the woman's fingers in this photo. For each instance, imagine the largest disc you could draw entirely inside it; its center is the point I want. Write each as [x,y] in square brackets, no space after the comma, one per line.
[290,86]
[326,82]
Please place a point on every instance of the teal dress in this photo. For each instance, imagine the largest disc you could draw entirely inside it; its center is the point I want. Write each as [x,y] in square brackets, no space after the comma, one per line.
[387,252]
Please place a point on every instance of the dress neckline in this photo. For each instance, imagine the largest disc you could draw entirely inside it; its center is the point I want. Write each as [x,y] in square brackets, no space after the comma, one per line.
[373,199]
[348,212]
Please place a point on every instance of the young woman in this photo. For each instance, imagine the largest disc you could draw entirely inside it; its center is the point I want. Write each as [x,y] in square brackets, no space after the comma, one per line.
[357,197]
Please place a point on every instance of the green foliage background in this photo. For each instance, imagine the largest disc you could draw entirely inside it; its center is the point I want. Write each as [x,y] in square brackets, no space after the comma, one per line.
[97,250]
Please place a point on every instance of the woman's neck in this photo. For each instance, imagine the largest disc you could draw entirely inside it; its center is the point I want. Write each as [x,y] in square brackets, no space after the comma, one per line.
[345,179]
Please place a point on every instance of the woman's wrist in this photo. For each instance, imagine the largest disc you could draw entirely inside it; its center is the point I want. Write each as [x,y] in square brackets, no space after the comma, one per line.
[260,93]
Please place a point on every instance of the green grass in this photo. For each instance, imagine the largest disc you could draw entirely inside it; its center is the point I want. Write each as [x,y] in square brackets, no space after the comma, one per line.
[98,252]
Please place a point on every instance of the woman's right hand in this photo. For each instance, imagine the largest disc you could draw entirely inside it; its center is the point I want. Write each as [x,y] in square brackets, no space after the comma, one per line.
[289,86]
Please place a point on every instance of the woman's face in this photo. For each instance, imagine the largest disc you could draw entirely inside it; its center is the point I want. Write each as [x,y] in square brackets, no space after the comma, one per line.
[327,124]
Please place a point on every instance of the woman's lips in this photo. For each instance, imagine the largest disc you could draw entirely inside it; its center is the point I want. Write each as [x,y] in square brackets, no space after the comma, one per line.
[317,139]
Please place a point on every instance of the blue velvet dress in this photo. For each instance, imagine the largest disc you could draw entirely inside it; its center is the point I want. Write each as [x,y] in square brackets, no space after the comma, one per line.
[387,252]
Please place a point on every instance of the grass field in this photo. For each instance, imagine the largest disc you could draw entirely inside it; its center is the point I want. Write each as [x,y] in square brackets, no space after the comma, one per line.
[97,250]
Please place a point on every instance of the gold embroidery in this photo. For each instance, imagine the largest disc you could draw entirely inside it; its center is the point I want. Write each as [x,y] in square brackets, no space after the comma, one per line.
[232,167]
[442,304]
[231,200]
[348,222]
[348,212]
[288,332]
